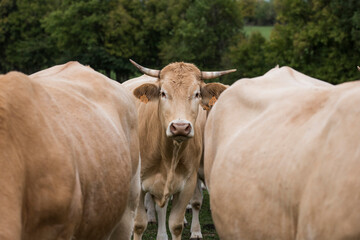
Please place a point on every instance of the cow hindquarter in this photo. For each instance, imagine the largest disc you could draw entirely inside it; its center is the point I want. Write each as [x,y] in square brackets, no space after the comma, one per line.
[69,154]
[11,190]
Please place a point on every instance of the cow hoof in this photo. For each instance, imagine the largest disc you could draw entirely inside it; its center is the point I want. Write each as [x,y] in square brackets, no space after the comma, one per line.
[196,236]
[162,236]
[188,208]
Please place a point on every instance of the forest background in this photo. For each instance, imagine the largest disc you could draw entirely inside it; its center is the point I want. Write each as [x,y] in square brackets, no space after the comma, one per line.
[320,38]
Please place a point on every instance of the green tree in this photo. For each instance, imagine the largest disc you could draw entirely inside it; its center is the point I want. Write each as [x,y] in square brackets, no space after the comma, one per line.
[247,9]
[204,33]
[258,12]
[124,37]
[319,38]
[24,45]
[248,57]
[161,18]
[136,29]
[77,28]
[6,8]
[264,13]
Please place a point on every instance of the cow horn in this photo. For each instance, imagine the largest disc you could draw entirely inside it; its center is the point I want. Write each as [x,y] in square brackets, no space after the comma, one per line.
[210,75]
[358,68]
[147,71]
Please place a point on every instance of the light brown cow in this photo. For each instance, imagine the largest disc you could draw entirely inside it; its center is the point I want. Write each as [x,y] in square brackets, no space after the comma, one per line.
[171,138]
[69,155]
[282,159]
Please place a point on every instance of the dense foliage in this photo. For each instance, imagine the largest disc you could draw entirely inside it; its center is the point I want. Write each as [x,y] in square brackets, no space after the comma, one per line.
[318,37]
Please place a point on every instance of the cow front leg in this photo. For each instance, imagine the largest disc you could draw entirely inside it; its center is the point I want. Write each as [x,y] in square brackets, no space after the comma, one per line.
[150,208]
[161,213]
[196,203]
[140,219]
[178,209]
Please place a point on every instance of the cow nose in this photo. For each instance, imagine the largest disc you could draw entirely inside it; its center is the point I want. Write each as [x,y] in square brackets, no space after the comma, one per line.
[180,129]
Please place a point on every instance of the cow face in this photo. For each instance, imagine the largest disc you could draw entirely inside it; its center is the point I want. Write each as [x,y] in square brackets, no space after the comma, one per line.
[179,91]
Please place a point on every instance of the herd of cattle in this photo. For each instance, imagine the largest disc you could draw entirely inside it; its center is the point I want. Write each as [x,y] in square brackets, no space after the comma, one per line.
[85,157]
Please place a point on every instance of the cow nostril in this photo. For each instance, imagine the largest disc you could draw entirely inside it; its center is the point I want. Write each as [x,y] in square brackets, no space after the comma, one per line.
[188,129]
[172,128]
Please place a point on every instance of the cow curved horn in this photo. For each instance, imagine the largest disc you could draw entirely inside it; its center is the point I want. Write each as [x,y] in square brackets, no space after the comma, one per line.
[147,71]
[210,75]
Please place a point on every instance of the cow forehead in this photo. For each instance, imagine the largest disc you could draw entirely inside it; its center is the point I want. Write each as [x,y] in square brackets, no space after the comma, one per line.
[181,68]
[180,77]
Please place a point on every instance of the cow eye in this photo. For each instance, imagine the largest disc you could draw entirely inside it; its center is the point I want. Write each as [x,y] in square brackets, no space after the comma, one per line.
[163,94]
[197,95]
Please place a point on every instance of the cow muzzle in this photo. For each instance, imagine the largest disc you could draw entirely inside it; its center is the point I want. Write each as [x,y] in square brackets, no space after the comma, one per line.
[180,130]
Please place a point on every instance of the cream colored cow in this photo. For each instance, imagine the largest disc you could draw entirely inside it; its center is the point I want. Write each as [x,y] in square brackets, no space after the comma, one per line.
[69,155]
[282,159]
[171,124]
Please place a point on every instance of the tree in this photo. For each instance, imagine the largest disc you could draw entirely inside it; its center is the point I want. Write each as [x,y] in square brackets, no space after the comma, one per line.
[6,8]
[204,33]
[247,9]
[77,28]
[248,56]
[319,38]
[24,45]
[258,12]
[135,29]
[264,13]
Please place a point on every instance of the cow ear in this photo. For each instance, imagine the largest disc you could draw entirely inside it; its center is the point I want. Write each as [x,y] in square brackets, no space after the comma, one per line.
[146,92]
[210,94]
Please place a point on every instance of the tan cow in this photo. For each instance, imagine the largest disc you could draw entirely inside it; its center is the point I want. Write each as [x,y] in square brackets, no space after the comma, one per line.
[282,159]
[171,138]
[69,155]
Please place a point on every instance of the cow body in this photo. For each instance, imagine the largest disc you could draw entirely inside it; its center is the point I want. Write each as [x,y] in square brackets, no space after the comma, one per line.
[282,159]
[171,124]
[160,174]
[69,155]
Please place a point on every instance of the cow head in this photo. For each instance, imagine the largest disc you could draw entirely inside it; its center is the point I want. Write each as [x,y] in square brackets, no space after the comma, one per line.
[180,89]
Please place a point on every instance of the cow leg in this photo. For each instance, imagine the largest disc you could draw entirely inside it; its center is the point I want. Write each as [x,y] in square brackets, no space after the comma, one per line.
[121,231]
[141,218]
[196,203]
[185,221]
[161,213]
[178,209]
[150,208]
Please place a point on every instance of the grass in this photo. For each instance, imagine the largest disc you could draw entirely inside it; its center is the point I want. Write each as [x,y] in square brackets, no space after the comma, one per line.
[207,225]
[264,30]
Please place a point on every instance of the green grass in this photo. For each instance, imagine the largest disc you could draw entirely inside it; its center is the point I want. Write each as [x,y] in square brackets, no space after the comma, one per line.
[264,30]
[207,225]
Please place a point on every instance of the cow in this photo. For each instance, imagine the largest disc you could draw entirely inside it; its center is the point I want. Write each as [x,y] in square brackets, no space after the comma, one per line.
[69,155]
[282,158]
[171,122]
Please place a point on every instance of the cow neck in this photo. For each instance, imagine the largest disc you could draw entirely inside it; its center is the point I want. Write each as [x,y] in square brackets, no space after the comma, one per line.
[172,156]
[176,152]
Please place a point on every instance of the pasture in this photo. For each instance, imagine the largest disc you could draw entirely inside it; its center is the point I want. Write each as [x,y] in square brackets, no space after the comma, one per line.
[207,225]
[265,31]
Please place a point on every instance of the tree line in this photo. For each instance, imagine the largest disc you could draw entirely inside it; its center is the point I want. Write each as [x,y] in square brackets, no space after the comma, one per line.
[320,38]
